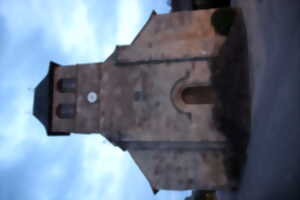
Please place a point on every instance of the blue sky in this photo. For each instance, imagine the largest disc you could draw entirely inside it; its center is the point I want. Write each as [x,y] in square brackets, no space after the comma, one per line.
[32,165]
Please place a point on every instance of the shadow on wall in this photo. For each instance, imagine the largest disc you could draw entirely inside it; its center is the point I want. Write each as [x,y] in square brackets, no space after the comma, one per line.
[202,195]
[181,5]
[230,79]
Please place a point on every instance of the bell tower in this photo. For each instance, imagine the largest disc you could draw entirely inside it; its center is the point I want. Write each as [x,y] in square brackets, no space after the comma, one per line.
[72,97]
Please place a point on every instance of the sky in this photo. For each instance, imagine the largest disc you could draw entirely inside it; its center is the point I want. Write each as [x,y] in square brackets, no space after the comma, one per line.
[32,165]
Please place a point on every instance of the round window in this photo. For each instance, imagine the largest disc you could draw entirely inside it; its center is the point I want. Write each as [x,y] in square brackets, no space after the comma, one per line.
[92,97]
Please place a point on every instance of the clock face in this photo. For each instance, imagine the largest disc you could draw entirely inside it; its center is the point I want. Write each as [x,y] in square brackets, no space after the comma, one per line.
[92,97]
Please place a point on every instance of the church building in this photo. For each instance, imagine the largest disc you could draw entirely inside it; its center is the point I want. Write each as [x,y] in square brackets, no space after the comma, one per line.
[152,98]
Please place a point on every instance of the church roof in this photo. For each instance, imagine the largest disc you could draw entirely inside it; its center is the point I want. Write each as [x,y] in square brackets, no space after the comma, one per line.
[42,106]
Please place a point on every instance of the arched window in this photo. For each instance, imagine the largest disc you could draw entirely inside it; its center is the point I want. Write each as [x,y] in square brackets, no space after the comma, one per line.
[66,111]
[198,95]
[67,85]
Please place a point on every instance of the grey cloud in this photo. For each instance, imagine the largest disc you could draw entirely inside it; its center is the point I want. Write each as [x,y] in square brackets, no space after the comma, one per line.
[25,54]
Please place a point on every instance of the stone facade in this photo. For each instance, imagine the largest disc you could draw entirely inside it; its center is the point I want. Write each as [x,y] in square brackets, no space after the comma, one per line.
[152,98]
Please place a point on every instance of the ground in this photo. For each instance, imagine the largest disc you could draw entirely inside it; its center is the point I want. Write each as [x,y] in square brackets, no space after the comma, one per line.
[272,167]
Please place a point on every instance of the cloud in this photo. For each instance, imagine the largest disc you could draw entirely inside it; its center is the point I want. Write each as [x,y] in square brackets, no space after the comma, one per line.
[12,129]
[69,30]
[129,20]
[34,166]
[67,23]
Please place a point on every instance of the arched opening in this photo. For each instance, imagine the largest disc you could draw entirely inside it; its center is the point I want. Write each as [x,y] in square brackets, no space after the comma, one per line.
[66,111]
[198,95]
[67,85]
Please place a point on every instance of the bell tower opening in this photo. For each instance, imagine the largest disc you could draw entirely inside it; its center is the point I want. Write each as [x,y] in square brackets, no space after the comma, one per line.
[67,85]
[66,111]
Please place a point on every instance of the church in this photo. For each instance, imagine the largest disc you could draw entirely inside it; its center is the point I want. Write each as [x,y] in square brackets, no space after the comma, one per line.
[153,98]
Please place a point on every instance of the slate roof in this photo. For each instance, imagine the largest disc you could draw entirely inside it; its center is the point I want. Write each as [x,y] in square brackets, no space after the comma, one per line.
[42,106]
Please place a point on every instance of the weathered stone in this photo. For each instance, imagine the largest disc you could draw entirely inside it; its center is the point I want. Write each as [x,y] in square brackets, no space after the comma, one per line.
[153,98]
